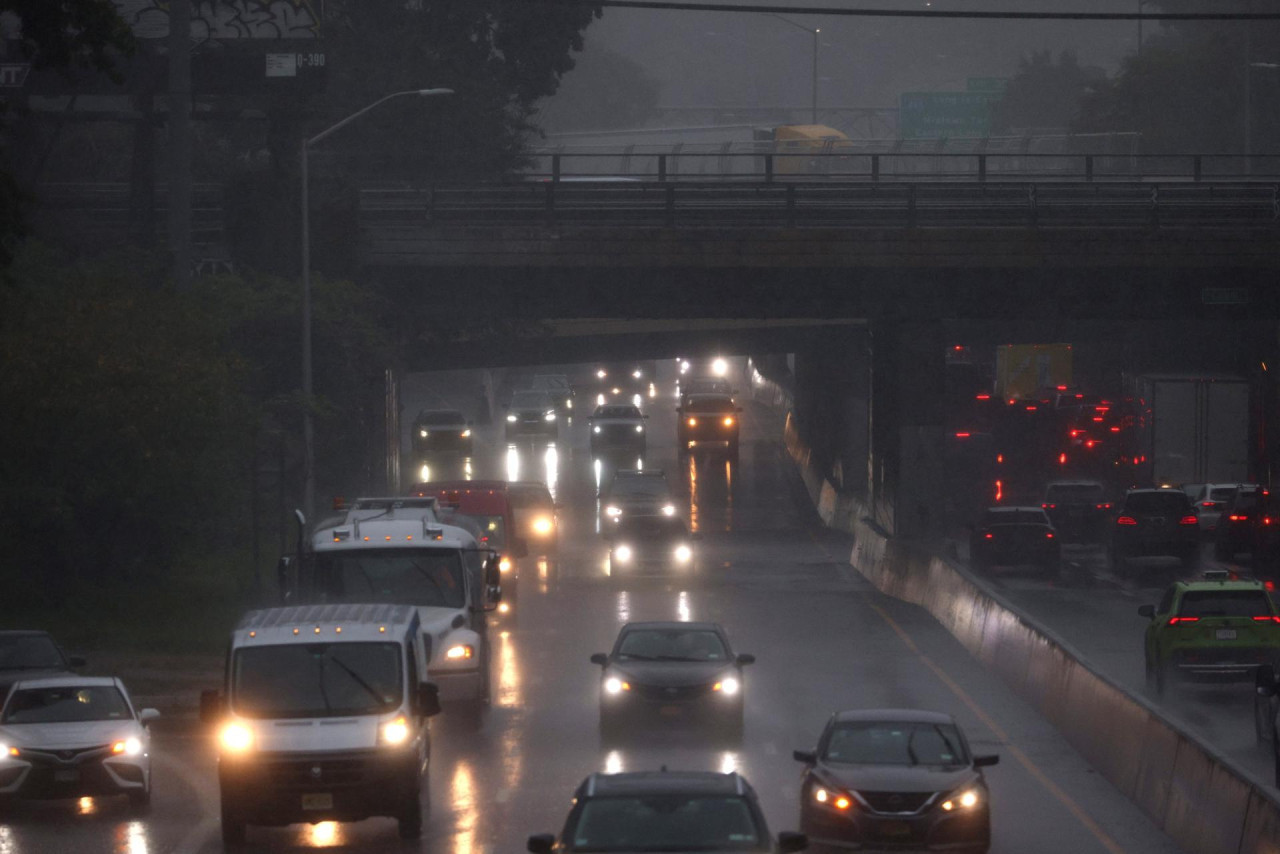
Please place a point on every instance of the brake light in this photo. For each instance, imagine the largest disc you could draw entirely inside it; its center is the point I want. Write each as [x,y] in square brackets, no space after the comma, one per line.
[1062,388]
[1189,519]
[999,491]
[982,397]
[988,536]
[1266,520]
[1048,535]
[1267,619]
[1173,621]
[1236,517]
[1062,459]
[1049,506]
[1090,443]
[1032,408]
[1074,433]
[1104,506]
[1269,585]
[1126,520]
[1208,504]
[962,435]
[1115,429]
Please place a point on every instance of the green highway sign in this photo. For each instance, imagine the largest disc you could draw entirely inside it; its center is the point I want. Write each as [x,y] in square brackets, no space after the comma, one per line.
[987,84]
[931,115]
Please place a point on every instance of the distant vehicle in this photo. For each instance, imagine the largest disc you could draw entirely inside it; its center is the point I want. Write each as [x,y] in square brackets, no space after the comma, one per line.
[618,427]
[651,545]
[1239,522]
[638,492]
[1195,428]
[1015,536]
[1022,370]
[323,717]
[535,512]
[1078,509]
[558,388]
[1156,522]
[441,430]
[532,414]
[708,421]
[28,654]
[671,672]
[894,778]
[710,367]
[487,503]
[622,382]
[74,736]
[1210,499]
[664,811]
[1215,629]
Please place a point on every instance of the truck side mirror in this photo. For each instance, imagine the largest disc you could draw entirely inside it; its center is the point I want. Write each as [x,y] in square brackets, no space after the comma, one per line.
[789,842]
[1264,679]
[1148,611]
[428,699]
[541,843]
[212,707]
[600,658]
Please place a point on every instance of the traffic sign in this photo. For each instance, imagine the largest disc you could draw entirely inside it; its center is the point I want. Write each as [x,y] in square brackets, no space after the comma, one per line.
[930,115]
[13,75]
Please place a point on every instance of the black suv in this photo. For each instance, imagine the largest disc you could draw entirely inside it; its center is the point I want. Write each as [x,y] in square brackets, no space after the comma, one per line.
[1079,509]
[1239,525]
[1156,522]
[1015,536]
[651,811]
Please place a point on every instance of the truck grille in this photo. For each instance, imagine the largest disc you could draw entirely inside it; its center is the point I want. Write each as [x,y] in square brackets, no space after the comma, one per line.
[309,773]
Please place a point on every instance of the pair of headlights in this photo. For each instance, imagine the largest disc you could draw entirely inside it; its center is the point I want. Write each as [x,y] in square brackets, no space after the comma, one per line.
[728,687]
[839,801]
[124,747]
[465,434]
[236,738]
[623,553]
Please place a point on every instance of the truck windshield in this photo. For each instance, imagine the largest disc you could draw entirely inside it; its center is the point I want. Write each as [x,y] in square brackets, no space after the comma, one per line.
[402,576]
[316,680]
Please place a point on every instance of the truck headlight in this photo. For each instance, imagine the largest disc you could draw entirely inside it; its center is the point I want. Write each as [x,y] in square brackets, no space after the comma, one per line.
[235,738]
[460,652]
[511,417]
[720,367]
[422,433]
[614,685]
[683,553]
[550,416]
[601,374]
[729,686]
[395,732]
[639,428]
[542,526]
[622,553]
[966,800]
[126,747]
[668,510]
[613,510]
[637,373]
[504,565]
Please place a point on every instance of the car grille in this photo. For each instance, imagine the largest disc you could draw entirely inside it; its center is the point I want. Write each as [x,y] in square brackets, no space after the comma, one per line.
[619,432]
[662,694]
[309,773]
[65,757]
[903,803]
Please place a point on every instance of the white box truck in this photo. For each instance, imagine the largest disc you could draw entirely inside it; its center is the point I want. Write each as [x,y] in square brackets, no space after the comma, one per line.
[323,717]
[1193,428]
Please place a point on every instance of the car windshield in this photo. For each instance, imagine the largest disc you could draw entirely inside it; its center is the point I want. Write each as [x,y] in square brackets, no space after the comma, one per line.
[1224,603]
[29,652]
[1165,501]
[664,822]
[1079,493]
[652,528]
[1222,493]
[706,387]
[894,743]
[710,405]
[405,576]
[69,704]
[617,412]
[529,400]
[671,645]
[551,383]
[441,419]
[653,486]
[316,680]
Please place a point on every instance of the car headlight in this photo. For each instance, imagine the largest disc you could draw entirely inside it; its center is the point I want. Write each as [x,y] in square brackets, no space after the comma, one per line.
[832,799]
[616,390]
[7,750]
[683,553]
[595,429]
[395,731]
[543,525]
[511,417]
[728,421]
[613,510]
[684,367]
[466,434]
[720,367]
[504,565]
[601,374]
[126,747]
[693,422]
[622,553]
[966,800]
[614,685]
[235,738]
[668,510]
[460,652]
[637,374]
[729,686]
[550,416]
[639,428]
[422,433]
[568,404]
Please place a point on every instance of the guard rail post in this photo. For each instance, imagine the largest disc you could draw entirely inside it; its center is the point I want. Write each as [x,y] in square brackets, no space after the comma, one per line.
[875,167]
[982,168]
[555,168]
[1088,167]
[768,168]
[1195,166]
[671,206]
[662,167]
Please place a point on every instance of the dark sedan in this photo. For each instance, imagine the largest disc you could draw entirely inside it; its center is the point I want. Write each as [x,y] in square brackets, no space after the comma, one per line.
[1156,523]
[441,431]
[651,545]
[895,779]
[1015,536]
[667,811]
[28,654]
[671,672]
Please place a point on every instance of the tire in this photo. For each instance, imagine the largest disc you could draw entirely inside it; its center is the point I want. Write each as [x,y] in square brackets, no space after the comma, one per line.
[409,818]
[234,828]
[140,799]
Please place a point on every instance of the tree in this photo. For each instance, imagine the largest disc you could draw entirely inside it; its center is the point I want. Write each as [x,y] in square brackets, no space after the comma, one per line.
[1044,95]
[71,33]
[605,90]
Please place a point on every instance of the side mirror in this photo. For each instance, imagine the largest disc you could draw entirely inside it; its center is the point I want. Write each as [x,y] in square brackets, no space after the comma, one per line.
[541,843]
[1264,679]
[790,841]
[519,547]
[148,715]
[600,658]
[746,658]
[808,757]
[493,571]
[428,699]
[986,761]
[77,661]
[1148,611]
[212,706]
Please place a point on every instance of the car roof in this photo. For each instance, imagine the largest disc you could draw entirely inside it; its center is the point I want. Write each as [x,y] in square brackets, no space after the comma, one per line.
[661,782]
[710,397]
[1097,483]
[893,716]
[1152,489]
[1229,583]
[68,682]
[673,625]
[426,414]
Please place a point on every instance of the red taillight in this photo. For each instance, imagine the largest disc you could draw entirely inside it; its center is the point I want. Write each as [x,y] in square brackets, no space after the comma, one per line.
[1062,459]
[1032,408]
[1049,506]
[1097,419]
[999,491]
[1188,520]
[1089,443]
[1048,535]
[1267,619]
[1266,520]
[1173,621]
[1270,585]
[1208,505]
[982,397]
[988,536]
[1235,517]
[962,435]
[1104,506]
[1062,388]
[1126,520]
[1115,429]
[1074,433]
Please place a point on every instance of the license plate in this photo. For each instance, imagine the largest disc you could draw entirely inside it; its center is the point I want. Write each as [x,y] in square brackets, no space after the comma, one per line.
[66,776]
[322,801]
[895,828]
[1225,634]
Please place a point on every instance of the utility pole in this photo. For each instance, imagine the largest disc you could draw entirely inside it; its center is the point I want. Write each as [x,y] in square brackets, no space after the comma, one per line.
[180,141]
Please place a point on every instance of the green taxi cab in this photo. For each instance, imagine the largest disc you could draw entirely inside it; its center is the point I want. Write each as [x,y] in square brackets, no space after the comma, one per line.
[1219,628]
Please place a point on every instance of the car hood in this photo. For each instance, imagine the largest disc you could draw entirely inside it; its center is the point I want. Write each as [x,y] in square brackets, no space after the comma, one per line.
[897,778]
[673,674]
[619,422]
[78,734]
[438,622]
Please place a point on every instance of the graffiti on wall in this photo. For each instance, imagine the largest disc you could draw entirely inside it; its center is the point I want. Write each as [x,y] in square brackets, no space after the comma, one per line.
[218,20]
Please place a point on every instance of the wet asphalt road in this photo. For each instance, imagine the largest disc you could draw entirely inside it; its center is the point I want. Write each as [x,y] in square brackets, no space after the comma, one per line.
[780,585]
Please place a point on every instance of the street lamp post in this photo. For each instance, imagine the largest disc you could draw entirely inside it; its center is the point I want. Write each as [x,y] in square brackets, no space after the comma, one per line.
[308,428]
[813,112]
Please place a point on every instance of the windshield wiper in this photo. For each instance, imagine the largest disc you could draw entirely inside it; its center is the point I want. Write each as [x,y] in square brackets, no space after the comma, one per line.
[951,747]
[360,681]
[422,570]
[679,658]
[910,751]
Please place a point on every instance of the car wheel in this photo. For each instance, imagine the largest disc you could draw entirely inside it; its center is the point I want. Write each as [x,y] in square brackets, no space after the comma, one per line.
[140,799]
[409,818]
[234,827]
